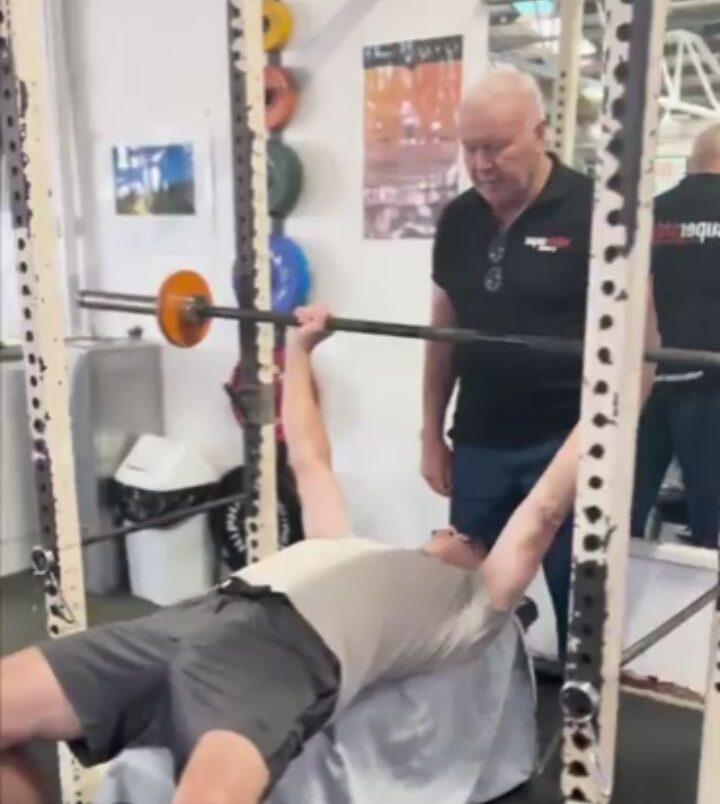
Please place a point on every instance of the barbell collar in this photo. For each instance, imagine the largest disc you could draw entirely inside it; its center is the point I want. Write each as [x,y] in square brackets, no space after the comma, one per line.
[580,701]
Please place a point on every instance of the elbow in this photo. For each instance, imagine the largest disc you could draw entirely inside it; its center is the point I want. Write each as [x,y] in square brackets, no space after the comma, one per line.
[548,517]
[551,518]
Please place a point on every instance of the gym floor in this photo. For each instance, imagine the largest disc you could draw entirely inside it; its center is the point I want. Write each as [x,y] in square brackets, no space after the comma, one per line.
[658,748]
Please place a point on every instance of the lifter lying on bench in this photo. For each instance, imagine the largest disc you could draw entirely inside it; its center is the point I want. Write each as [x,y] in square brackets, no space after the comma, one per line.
[235,682]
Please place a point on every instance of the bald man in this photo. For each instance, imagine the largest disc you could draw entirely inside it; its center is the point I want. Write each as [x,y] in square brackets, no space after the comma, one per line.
[682,417]
[510,256]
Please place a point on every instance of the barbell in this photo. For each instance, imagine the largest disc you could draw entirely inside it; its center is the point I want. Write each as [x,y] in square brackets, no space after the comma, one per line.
[184,310]
[44,559]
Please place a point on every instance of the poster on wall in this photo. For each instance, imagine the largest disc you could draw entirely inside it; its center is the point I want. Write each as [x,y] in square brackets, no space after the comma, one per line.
[154,179]
[411,143]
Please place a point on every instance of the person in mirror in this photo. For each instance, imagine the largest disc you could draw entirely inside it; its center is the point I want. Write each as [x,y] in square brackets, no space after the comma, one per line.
[682,417]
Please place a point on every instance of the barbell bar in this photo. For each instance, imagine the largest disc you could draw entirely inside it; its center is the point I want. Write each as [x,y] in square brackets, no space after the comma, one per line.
[184,309]
[44,559]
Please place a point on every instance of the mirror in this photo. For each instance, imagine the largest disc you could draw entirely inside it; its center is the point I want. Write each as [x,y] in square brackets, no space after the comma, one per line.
[676,511]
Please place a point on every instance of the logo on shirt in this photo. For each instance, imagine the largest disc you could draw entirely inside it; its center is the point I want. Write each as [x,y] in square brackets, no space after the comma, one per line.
[551,244]
[685,233]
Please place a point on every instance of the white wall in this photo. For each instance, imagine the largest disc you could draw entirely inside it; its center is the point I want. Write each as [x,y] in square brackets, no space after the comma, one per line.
[9,307]
[18,510]
[156,69]
[374,409]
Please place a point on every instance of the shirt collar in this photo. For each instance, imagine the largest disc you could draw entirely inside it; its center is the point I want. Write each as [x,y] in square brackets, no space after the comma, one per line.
[556,185]
[554,189]
[695,178]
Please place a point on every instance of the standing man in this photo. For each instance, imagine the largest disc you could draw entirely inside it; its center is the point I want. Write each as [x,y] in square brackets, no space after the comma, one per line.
[511,255]
[682,417]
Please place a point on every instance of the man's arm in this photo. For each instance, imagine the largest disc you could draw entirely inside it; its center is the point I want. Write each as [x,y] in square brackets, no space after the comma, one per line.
[439,378]
[323,505]
[652,341]
[518,553]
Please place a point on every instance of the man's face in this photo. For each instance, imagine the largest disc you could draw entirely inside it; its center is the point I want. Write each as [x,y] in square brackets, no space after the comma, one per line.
[503,146]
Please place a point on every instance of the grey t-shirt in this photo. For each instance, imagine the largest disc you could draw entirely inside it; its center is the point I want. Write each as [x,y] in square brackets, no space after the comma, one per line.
[386,613]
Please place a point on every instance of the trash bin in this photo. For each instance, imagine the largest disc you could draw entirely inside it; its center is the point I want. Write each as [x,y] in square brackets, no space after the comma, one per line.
[161,476]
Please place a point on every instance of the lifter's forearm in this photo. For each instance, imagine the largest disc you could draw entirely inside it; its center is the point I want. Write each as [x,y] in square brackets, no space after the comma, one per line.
[528,534]
[519,550]
[302,418]
[439,378]
[552,497]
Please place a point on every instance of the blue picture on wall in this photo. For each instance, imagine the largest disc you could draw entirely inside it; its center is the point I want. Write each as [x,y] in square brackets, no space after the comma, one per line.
[154,179]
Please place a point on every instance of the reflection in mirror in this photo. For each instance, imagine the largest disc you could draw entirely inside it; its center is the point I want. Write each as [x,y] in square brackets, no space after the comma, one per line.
[677,479]
[677,476]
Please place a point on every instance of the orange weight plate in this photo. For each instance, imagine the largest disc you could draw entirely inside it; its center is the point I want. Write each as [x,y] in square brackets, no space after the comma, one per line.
[175,323]
[281,97]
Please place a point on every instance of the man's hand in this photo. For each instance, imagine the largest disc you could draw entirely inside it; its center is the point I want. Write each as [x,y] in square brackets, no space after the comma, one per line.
[312,327]
[436,465]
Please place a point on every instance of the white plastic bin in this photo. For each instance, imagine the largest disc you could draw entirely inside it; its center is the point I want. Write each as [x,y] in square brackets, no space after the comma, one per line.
[167,565]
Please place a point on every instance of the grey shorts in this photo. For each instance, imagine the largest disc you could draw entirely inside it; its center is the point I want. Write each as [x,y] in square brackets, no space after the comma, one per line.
[238,659]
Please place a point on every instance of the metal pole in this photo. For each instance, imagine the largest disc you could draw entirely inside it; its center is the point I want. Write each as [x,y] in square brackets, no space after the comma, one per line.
[252,266]
[25,94]
[621,238]
[567,80]
[145,305]
[44,560]
[709,780]
[664,629]
[641,646]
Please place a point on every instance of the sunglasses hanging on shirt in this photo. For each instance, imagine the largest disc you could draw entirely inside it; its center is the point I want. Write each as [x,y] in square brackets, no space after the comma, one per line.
[494,275]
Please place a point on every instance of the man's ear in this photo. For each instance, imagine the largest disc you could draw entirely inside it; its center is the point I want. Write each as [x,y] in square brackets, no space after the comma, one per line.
[541,131]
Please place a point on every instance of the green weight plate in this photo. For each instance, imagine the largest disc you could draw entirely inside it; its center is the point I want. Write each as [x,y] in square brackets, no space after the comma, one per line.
[285,178]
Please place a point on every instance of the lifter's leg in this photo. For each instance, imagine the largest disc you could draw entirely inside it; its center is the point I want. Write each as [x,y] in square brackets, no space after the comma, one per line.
[20,781]
[224,768]
[32,704]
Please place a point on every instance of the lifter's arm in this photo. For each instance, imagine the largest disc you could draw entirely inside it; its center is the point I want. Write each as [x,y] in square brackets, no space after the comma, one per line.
[519,551]
[323,505]
[439,377]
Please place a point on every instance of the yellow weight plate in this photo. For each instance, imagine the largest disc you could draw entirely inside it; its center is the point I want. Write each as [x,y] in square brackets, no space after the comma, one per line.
[277,25]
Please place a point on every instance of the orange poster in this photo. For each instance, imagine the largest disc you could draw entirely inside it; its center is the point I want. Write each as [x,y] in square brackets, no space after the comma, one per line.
[412,94]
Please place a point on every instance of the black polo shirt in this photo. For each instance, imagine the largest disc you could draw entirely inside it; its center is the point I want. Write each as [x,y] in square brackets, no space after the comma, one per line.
[686,266]
[530,280]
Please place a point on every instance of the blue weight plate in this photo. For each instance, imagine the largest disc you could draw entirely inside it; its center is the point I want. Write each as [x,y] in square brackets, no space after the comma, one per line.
[290,274]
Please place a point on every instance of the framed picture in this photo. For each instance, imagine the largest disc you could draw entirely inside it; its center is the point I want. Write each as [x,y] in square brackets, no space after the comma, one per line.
[154,179]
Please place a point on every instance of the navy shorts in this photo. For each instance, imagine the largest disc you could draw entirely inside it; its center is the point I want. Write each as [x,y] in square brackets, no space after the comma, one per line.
[239,658]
